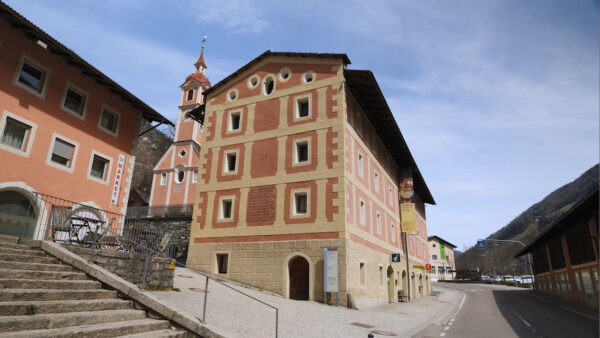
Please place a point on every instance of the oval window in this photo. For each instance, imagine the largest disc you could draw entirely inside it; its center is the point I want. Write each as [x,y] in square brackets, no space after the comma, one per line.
[180,176]
[232,95]
[308,77]
[285,74]
[253,81]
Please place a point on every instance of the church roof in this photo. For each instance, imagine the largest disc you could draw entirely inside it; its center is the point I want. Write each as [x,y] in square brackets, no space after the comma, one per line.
[198,77]
[200,61]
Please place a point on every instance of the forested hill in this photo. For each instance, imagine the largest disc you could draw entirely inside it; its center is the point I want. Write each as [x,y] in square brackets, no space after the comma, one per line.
[528,225]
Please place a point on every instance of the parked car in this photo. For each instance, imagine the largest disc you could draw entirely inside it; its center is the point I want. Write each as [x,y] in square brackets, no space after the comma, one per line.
[498,279]
[527,279]
[518,280]
[508,279]
[485,278]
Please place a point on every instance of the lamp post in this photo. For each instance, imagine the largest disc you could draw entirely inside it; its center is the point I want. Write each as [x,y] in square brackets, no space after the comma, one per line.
[518,242]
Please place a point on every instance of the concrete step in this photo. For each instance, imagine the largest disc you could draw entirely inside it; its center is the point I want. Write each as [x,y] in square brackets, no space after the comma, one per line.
[9,239]
[63,320]
[60,306]
[168,333]
[49,284]
[12,257]
[22,250]
[45,275]
[53,294]
[16,246]
[34,266]
[92,331]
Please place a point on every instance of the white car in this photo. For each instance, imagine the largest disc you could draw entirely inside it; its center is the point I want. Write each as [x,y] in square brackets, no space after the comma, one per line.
[498,279]
[509,279]
[518,280]
[527,279]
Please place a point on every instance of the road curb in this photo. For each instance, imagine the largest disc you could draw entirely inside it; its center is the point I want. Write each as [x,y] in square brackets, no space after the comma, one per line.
[443,314]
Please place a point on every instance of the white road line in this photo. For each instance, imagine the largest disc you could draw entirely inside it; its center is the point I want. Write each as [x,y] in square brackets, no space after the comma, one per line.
[564,307]
[447,328]
[442,334]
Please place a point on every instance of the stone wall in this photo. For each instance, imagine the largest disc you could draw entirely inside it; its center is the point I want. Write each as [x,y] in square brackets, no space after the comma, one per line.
[265,264]
[130,266]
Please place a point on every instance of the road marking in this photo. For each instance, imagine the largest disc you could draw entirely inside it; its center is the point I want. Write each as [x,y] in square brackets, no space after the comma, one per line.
[564,307]
[447,328]
[442,334]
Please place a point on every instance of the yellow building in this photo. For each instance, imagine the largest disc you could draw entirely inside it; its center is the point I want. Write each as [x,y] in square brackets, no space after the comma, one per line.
[301,154]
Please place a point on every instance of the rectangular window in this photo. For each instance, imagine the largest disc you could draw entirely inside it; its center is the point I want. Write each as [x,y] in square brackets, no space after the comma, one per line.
[231,159]
[393,233]
[62,153]
[222,261]
[391,195]
[163,178]
[226,206]
[376,182]
[378,223]
[302,107]
[32,77]
[300,203]
[434,257]
[234,121]
[109,121]
[362,274]
[99,167]
[360,165]
[74,101]
[381,276]
[302,152]
[363,213]
[15,134]
[195,177]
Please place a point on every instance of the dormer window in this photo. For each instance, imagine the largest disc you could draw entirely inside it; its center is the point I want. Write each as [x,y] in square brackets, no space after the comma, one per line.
[190,95]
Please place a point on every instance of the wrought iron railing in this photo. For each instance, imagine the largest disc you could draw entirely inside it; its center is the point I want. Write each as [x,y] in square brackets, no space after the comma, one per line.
[167,211]
[72,223]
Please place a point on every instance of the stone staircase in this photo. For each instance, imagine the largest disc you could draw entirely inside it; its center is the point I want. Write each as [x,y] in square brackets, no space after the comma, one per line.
[41,297]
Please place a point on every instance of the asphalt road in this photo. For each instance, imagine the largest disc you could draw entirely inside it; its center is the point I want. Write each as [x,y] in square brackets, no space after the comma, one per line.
[500,311]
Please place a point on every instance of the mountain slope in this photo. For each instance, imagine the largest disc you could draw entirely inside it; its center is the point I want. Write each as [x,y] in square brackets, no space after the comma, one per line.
[499,259]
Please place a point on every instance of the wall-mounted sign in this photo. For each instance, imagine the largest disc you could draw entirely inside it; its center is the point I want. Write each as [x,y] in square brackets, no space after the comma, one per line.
[428,267]
[420,267]
[395,258]
[408,213]
[114,199]
[331,281]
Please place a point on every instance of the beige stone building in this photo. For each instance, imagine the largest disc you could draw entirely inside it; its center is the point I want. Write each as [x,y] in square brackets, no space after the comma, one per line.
[299,154]
[441,258]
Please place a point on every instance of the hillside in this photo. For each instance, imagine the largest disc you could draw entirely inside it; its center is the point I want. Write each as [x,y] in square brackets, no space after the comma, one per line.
[499,259]
[148,151]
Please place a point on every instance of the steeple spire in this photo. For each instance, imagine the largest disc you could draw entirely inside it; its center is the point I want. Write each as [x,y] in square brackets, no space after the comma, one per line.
[200,64]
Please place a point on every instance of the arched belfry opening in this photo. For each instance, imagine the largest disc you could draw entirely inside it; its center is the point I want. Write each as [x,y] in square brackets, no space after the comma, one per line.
[298,268]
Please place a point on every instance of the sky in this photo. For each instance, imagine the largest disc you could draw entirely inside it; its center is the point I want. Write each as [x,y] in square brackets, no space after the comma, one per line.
[497,100]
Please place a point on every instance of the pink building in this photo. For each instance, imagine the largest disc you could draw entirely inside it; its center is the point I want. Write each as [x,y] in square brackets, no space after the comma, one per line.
[66,129]
[176,174]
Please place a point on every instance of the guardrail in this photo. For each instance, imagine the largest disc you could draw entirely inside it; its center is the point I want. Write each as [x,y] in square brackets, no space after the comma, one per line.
[167,211]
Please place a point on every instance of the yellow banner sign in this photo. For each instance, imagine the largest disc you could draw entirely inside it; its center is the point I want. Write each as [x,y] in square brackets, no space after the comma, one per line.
[420,267]
[409,217]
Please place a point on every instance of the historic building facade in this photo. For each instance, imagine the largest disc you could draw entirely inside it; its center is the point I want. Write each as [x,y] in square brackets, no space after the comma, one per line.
[299,154]
[441,259]
[66,129]
[176,174]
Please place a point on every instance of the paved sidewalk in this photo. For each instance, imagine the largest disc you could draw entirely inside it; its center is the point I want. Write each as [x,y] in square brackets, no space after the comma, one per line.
[235,315]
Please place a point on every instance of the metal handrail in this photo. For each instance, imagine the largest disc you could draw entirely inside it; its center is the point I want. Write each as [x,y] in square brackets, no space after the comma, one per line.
[208,276]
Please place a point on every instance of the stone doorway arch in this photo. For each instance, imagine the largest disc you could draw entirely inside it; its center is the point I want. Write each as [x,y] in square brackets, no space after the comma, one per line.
[18,213]
[421,285]
[299,277]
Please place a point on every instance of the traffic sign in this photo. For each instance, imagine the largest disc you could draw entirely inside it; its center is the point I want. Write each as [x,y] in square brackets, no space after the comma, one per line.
[526,260]
[481,244]
[395,258]
[428,267]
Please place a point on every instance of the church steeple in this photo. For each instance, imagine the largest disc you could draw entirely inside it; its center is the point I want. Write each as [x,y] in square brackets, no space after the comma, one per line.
[200,64]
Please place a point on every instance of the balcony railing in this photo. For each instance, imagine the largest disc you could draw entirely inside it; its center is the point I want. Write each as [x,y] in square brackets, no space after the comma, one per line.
[158,211]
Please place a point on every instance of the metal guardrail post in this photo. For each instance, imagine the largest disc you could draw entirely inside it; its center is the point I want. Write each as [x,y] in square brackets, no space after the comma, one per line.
[205,296]
[145,271]
[276,322]
[91,260]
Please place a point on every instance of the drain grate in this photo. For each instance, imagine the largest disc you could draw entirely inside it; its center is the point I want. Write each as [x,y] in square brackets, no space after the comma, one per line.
[197,290]
[185,276]
[384,333]
[366,326]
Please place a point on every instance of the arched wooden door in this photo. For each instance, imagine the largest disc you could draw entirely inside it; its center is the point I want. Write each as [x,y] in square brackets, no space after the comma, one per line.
[298,269]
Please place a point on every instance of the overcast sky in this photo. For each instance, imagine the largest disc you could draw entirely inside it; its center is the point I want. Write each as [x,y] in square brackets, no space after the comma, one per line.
[497,100]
